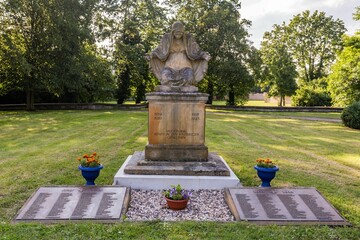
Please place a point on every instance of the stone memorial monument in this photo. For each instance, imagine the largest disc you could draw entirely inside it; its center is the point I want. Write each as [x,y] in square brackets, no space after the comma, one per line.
[176,118]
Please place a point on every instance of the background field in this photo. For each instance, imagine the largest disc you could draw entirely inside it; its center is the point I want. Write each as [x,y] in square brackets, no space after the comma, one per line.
[40,148]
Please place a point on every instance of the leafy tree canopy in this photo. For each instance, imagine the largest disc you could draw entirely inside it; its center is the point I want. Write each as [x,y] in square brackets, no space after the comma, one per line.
[313,41]
[279,71]
[220,30]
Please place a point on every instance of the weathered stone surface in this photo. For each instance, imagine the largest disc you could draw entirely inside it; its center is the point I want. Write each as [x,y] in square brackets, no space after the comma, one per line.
[75,203]
[282,205]
[213,167]
[165,88]
[176,96]
[181,153]
[176,127]
[178,60]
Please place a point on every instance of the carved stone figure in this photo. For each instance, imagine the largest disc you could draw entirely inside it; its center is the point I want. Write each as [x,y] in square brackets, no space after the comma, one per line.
[178,60]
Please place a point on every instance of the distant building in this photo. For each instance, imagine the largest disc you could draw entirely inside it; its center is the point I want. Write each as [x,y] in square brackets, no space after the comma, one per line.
[264,97]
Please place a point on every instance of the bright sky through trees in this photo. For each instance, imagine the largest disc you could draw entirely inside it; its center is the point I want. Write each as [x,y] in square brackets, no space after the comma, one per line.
[264,13]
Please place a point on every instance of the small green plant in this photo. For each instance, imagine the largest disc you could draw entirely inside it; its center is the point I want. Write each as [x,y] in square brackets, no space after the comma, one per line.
[350,116]
[89,160]
[177,193]
[265,163]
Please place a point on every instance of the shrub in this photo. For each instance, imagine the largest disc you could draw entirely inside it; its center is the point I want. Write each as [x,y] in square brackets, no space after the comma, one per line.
[313,93]
[311,97]
[350,116]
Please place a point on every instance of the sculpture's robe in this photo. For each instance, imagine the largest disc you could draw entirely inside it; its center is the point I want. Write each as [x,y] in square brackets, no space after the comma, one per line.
[194,54]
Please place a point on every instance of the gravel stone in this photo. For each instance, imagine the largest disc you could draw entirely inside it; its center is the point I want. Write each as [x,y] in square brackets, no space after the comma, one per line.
[204,205]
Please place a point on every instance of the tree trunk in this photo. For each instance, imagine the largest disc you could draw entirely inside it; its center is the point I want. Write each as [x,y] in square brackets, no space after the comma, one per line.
[282,101]
[231,97]
[30,100]
[140,93]
[210,91]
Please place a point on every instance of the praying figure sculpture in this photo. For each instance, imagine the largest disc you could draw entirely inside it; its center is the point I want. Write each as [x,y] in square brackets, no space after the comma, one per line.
[178,61]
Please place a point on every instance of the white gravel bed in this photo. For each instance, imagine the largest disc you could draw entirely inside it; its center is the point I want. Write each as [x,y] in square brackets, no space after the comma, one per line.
[204,205]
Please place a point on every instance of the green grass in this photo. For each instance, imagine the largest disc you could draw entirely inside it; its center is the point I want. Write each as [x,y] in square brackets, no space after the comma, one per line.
[40,148]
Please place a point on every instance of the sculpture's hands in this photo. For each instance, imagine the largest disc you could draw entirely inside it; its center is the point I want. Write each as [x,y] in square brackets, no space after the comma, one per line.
[150,56]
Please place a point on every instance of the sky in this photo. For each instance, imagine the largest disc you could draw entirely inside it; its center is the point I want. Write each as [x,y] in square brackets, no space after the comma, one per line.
[265,13]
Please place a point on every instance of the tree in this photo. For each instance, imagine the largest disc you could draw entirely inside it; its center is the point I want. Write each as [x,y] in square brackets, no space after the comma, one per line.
[344,81]
[219,30]
[25,44]
[135,27]
[79,73]
[313,40]
[356,15]
[49,46]
[279,70]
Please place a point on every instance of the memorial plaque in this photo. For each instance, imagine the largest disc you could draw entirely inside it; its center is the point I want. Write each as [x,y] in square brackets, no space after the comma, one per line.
[75,203]
[282,205]
[177,123]
[176,127]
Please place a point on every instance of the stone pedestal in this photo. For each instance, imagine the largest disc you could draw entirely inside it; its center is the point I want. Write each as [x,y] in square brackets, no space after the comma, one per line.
[176,151]
[176,127]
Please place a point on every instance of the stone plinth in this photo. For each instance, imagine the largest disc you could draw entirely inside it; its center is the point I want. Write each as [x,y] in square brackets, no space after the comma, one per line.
[215,166]
[164,88]
[142,181]
[176,127]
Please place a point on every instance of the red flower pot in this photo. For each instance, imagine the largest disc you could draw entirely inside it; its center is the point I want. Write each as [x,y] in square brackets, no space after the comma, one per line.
[176,204]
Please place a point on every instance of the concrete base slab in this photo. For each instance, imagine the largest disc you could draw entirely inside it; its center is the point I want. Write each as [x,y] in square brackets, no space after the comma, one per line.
[158,182]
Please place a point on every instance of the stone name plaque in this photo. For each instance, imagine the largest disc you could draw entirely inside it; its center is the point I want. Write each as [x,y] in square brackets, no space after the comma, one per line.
[74,203]
[278,205]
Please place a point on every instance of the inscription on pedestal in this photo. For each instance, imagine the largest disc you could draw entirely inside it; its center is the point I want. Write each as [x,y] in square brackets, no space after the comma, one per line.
[283,206]
[176,123]
[74,203]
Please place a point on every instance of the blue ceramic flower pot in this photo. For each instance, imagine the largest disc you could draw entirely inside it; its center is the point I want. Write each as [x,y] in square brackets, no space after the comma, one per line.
[90,174]
[266,175]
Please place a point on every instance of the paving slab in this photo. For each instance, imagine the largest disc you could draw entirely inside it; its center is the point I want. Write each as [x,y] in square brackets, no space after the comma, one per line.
[282,206]
[59,203]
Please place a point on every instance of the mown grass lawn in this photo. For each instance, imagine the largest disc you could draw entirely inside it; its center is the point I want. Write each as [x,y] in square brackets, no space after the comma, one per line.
[40,148]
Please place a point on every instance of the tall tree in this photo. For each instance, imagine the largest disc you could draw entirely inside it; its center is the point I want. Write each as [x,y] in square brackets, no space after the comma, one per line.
[314,40]
[220,30]
[49,46]
[344,81]
[136,28]
[279,70]
[27,38]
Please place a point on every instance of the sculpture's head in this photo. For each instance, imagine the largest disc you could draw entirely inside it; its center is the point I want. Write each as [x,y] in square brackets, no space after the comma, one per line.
[178,29]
